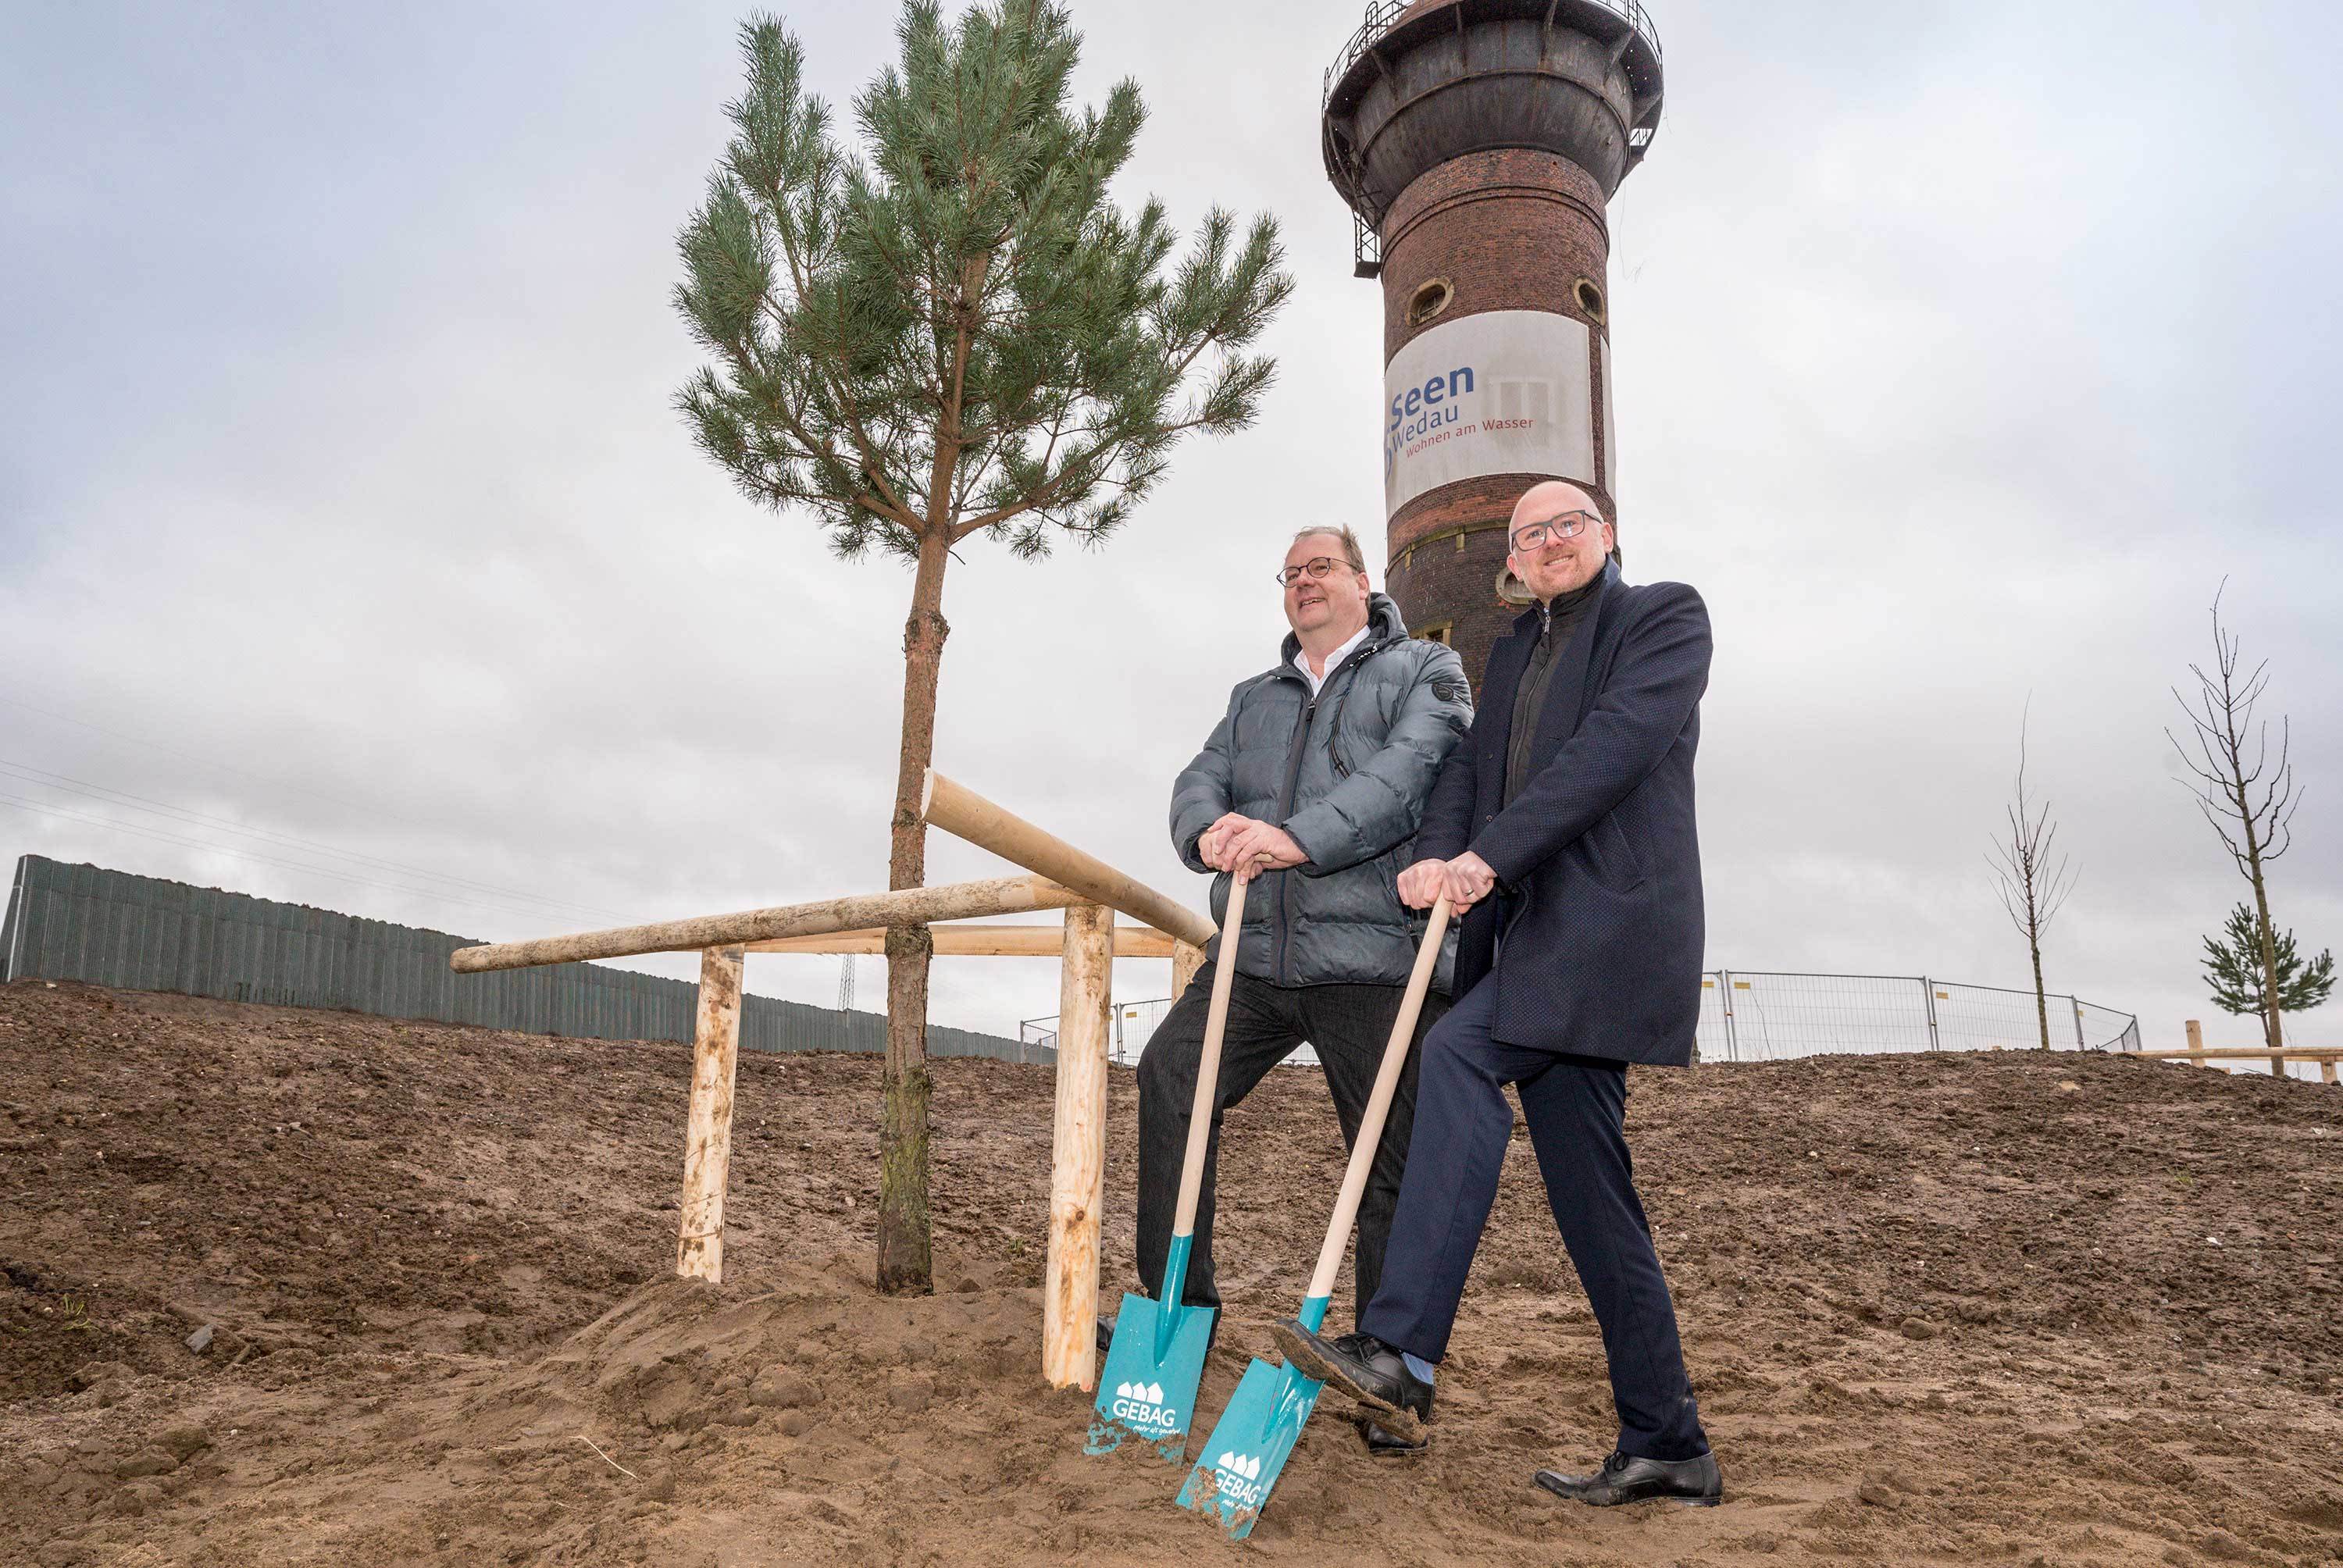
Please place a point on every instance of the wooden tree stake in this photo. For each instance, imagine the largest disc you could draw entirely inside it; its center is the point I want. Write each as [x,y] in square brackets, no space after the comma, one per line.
[708,1142]
[1078,1152]
[1186,960]
[2196,1040]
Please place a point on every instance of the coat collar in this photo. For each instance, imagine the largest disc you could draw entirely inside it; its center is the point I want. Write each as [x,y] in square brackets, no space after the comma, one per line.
[1557,719]
[1526,623]
[1384,624]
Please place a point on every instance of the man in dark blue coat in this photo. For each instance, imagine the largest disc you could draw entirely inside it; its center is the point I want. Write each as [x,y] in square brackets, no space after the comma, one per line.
[1564,825]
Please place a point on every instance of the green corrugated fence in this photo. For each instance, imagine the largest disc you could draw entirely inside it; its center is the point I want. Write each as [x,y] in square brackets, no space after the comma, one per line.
[142,933]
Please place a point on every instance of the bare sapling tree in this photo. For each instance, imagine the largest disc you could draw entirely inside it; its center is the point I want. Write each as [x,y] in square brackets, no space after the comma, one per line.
[2248,799]
[2030,874]
[954,335]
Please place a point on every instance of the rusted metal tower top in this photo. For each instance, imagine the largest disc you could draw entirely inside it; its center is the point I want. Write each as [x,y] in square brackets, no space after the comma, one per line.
[1422,83]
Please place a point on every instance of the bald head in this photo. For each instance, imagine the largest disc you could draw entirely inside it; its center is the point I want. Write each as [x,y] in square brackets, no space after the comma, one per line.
[1558,538]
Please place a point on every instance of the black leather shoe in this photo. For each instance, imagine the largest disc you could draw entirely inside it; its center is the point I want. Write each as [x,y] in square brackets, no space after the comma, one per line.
[1384,1444]
[1366,1369]
[1694,1482]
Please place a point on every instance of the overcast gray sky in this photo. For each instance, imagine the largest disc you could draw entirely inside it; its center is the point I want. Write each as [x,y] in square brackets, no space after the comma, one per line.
[1962,349]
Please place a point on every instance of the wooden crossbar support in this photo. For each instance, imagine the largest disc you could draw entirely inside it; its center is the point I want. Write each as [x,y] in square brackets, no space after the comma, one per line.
[1078,1152]
[961,812]
[981,942]
[910,907]
[2318,1053]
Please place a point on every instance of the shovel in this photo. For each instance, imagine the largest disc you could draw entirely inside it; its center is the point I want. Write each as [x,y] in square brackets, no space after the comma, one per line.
[1148,1389]
[1248,1446]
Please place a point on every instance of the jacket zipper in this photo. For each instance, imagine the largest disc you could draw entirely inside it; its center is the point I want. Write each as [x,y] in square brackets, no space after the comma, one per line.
[1293,778]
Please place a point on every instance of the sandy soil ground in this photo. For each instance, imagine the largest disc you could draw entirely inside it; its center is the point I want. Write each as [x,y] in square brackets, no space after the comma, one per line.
[1951,1308]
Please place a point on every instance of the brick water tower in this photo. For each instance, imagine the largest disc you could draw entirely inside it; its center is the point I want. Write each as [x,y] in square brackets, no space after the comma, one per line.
[1477,142]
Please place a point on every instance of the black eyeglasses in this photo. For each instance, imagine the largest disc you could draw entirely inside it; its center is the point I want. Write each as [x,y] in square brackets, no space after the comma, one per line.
[1318,570]
[1568,525]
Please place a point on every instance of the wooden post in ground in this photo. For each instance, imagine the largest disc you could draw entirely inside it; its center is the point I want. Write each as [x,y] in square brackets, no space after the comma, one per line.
[2197,1042]
[1078,1152]
[707,1141]
[1186,960]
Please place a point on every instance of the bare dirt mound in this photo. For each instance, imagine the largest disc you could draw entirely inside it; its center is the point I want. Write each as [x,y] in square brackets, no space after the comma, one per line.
[1957,1308]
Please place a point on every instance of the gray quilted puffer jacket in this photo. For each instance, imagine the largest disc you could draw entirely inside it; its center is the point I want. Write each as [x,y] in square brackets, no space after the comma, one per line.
[1347,774]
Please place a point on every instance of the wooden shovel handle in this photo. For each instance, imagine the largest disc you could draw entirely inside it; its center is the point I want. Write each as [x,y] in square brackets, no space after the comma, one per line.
[1208,1066]
[1370,1125]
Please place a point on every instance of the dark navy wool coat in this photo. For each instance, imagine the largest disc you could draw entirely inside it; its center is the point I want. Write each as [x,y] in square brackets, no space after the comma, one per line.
[1598,858]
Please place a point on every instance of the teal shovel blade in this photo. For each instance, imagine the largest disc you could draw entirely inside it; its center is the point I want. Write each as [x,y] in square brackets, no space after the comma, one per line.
[1248,1446]
[1148,1387]
[1251,1441]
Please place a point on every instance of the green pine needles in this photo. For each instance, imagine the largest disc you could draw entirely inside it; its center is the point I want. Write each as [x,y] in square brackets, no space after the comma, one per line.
[958,328]
[950,332]
[2233,969]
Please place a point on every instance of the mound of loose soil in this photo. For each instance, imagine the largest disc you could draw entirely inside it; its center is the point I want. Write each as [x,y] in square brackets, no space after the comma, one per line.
[2021,1309]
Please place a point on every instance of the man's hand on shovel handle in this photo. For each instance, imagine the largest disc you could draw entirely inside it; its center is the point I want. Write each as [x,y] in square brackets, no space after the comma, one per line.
[1255,845]
[1466,879]
[1420,885]
[1210,843]
[1470,881]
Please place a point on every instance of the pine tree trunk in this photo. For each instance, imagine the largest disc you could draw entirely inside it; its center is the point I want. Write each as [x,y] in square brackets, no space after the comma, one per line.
[905,1266]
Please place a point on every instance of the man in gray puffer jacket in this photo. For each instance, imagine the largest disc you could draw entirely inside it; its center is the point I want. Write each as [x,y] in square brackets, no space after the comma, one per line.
[1316,777]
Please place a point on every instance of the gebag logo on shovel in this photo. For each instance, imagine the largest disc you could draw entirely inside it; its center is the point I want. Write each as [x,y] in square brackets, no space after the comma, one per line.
[1142,1404]
[1237,1478]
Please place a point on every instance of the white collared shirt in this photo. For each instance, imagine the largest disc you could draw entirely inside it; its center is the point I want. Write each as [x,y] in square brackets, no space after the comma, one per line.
[1333,660]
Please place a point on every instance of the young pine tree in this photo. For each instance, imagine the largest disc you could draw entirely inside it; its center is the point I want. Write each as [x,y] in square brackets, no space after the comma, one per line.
[952,334]
[2234,969]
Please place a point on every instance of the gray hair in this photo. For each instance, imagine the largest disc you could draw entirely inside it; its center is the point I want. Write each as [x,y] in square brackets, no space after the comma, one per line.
[1351,552]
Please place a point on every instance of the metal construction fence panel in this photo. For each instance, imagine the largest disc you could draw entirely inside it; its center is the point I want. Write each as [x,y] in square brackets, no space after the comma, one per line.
[1749,1015]
[1134,1024]
[1752,1015]
[143,933]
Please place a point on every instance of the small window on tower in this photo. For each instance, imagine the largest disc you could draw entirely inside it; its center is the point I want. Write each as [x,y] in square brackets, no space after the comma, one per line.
[1589,295]
[1430,298]
[1440,631]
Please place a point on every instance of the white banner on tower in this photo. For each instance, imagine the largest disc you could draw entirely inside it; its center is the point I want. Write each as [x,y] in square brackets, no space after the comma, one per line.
[1503,392]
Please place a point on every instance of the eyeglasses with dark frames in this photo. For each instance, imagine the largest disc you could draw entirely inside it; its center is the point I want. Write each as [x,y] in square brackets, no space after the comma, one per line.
[1568,525]
[1318,568]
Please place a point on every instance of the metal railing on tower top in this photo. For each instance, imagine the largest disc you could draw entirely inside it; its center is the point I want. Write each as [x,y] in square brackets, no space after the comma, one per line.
[1382,13]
